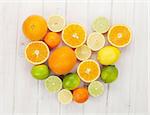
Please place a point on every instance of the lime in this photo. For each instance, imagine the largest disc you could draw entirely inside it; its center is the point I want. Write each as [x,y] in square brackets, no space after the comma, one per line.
[96,88]
[65,96]
[53,84]
[71,81]
[101,25]
[108,55]
[40,72]
[109,73]
[95,41]
[56,23]
[83,52]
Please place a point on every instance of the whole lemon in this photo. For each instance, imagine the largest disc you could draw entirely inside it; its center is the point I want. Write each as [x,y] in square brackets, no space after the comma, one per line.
[108,55]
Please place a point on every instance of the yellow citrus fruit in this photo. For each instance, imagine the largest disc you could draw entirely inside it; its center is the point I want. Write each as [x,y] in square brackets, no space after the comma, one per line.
[119,35]
[108,55]
[83,52]
[95,41]
[34,27]
[36,52]
[88,70]
[74,35]
[56,23]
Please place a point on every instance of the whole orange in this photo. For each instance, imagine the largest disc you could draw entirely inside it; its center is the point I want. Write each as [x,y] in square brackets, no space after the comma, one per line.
[62,60]
[34,27]
[52,39]
[80,95]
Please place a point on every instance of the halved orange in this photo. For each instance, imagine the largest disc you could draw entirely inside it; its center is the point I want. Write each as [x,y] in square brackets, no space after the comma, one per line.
[36,52]
[119,35]
[74,35]
[89,70]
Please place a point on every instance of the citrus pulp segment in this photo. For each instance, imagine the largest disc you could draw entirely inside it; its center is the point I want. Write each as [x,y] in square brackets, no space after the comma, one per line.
[95,41]
[36,52]
[74,35]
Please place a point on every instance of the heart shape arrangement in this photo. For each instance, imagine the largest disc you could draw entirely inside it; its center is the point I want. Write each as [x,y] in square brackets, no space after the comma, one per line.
[65,47]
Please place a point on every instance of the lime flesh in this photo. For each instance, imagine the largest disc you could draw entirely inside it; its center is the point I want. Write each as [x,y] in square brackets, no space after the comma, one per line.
[53,84]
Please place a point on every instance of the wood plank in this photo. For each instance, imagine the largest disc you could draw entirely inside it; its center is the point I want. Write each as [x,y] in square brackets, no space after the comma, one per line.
[26,90]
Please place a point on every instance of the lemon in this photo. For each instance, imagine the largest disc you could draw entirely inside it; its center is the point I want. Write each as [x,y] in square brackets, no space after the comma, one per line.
[83,52]
[108,55]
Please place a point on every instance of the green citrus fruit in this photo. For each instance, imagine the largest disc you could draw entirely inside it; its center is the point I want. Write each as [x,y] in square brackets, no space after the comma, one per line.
[40,72]
[71,81]
[53,84]
[109,73]
[108,55]
[96,88]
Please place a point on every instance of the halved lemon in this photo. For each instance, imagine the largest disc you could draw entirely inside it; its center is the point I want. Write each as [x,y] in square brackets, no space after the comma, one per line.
[83,52]
[74,35]
[89,70]
[56,23]
[36,52]
[95,41]
[119,35]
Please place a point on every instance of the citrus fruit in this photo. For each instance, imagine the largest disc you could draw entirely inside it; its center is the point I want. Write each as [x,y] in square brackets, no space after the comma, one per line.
[74,35]
[96,88]
[34,27]
[83,52]
[65,96]
[53,84]
[80,95]
[88,70]
[101,25]
[40,72]
[95,41]
[52,39]
[56,23]
[119,35]
[36,52]
[71,81]
[108,55]
[109,73]
[62,60]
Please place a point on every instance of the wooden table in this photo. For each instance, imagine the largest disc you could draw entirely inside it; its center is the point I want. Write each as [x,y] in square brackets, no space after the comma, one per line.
[20,94]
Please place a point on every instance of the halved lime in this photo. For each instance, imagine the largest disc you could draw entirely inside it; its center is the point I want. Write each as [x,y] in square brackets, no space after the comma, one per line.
[65,96]
[96,88]
[56,23]
[101,25]
[53,84]
[83,52]
[95,41]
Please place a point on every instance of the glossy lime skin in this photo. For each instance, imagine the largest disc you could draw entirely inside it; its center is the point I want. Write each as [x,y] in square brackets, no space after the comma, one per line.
[71,81]
[109,73]
[40,72]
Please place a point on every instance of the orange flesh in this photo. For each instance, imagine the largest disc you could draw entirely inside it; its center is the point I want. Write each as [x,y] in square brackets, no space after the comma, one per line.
[74,35]
[119,35]
[36,52]
[88,71]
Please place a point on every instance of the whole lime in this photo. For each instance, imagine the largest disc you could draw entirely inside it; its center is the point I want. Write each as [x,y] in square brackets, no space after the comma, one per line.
[40,72]
[109,73]
[71,81]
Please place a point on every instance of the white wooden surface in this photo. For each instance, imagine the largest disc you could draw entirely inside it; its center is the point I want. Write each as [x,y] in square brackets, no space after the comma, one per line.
[21,94]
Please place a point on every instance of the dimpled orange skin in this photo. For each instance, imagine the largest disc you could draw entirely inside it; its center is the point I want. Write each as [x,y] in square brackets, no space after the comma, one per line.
[80,95]
[35,27]
[62,60]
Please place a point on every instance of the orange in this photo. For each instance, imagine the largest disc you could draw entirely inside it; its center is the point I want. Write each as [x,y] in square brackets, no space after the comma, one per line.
[35,27]
[62,60]
[52,39]
[36,52]
[80,95]
[119,35]
[74,35]
[88,70]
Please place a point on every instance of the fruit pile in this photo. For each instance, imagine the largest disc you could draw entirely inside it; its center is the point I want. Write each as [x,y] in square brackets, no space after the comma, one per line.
[56,49]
